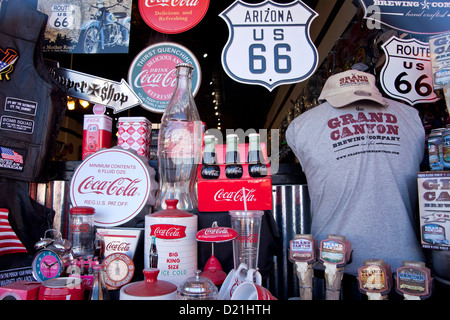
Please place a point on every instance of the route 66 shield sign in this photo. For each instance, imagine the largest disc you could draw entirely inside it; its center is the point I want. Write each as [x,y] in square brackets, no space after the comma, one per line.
[407,74]
[269,43]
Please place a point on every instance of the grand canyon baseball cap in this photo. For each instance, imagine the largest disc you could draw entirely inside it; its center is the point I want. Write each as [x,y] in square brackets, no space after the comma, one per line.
[349,86]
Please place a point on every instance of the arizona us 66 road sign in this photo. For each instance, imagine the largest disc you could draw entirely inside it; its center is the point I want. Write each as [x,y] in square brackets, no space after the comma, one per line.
[269,43]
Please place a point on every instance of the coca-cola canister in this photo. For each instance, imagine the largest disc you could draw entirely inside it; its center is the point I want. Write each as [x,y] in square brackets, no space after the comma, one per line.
[176,244]
[66,288]
[135,133]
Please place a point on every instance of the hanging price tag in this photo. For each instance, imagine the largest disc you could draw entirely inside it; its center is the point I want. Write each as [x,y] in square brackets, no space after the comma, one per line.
[407,74]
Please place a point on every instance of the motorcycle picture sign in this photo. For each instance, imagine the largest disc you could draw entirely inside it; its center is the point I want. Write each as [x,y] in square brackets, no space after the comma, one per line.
[269,43]
[88,26]
[407,74]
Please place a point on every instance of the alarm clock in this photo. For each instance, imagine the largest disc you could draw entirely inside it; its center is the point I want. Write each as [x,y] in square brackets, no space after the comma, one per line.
[119,270]
[52,259]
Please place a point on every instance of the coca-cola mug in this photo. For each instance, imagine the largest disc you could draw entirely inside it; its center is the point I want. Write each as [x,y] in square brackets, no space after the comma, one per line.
[252,291]
[236,277]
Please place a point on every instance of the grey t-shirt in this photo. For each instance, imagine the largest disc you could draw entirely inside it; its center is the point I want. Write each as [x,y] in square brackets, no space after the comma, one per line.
[361,163]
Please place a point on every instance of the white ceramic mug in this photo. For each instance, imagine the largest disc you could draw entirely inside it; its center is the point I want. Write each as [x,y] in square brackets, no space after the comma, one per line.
[235,278]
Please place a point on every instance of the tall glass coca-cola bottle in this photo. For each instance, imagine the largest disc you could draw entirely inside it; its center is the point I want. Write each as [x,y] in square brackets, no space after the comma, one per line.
[210,168]
[179,146]
[233,168]
[256,169]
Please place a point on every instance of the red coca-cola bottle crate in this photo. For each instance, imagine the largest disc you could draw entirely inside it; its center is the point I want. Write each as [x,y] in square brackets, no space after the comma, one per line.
[224,194]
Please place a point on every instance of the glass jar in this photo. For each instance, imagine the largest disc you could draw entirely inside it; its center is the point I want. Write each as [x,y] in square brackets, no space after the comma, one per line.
[81,230]
[197,288]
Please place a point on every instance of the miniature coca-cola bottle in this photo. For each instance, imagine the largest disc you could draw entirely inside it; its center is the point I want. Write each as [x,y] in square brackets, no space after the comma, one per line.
[233,169]
[210,168]
[153,254]
[99,290]
[256,169]
[179,146]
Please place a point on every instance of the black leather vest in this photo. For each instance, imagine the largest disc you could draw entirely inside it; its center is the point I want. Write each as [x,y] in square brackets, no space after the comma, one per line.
[32,105]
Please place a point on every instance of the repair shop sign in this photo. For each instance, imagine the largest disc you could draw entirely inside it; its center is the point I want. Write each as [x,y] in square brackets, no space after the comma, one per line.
[407,74]
[269,43]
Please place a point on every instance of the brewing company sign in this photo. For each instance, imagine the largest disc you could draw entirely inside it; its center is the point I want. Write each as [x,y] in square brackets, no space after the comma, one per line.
[117,183]
[421,16]
[152,74]
[269,43]
[407,74]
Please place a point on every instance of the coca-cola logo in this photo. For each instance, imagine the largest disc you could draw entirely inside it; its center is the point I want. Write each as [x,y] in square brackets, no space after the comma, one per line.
[168,231]
[172,16]
[223,195]
[118,246]
[216,234]
[119,187]
[83,227]
[152,74]
[251,238]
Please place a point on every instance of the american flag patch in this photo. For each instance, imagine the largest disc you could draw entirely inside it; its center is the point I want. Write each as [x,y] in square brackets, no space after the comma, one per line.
[3,65]
[9,242]
[10,154]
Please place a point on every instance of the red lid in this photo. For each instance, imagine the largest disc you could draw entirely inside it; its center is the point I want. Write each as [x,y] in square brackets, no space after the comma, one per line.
[82,210]
[172,211]
[151,286]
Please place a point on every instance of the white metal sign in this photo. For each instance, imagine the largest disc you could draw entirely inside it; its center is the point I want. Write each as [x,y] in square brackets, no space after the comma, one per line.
[269,43]
[407,75]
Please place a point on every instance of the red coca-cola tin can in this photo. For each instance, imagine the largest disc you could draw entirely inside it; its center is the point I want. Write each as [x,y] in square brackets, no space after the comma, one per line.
[64,288]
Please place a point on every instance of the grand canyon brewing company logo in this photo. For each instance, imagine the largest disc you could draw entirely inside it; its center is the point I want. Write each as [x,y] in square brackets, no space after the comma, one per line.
[115,182]
[152,74]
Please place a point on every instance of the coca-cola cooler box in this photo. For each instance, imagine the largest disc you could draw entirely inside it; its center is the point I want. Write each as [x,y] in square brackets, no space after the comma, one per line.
[224,194]
[97,130]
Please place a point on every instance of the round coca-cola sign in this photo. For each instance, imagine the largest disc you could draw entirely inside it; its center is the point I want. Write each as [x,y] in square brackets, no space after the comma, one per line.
[152,74]
[172,16]
[216,234]
[116,182]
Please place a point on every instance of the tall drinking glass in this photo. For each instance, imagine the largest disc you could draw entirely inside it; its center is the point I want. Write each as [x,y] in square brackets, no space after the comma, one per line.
[246,245]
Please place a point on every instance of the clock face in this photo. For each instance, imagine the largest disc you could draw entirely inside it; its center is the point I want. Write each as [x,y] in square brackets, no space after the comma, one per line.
[46,265]
[119,270]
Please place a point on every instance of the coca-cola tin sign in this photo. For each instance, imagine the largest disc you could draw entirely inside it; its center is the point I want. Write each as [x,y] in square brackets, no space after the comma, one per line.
[172,16]
[216,234]
[152,74]
[116,182]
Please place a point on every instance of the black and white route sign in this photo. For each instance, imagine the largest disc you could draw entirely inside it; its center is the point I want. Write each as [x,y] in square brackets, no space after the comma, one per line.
[407,74]
[269,43]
